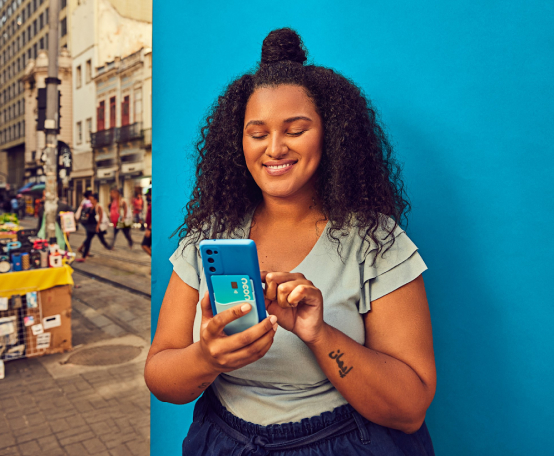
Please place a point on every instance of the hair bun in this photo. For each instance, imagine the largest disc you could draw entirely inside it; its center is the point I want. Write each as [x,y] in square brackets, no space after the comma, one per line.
[283,45]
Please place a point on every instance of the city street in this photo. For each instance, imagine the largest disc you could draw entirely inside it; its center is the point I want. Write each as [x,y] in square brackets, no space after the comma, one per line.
[92,400]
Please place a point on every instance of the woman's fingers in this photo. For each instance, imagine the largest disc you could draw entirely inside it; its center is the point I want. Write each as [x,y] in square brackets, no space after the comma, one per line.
[250,335]
[222,319]
[206,307]
[273,281]
[253,351]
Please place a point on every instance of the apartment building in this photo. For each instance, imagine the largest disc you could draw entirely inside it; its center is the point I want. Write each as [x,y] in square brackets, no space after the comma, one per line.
[110,49]
[122,142]
[23,34]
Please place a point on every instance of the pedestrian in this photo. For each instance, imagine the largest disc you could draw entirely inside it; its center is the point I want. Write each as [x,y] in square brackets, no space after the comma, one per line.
[294,158]
[21,204]
[14,205]
[137,209]
[82,215]
[95,225]
[147,240]
[121,216]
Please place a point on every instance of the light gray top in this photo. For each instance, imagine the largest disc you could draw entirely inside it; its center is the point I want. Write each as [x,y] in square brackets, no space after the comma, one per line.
[287,384]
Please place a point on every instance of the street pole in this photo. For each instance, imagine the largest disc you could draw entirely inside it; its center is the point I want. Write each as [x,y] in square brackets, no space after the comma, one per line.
[51,124]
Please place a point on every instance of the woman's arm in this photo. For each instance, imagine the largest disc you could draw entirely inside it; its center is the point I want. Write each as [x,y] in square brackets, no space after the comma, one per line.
[178,370]
[100,213]
[396,366]
[391,379]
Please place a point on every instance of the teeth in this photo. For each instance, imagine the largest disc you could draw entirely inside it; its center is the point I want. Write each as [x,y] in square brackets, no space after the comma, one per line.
[279,166]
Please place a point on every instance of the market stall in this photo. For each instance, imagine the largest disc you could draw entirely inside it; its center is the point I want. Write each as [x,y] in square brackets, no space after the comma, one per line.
[35,294]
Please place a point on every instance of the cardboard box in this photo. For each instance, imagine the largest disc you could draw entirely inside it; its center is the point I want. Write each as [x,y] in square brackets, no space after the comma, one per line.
[55,302]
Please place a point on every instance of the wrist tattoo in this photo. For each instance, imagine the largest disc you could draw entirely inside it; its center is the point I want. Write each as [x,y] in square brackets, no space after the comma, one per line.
[343,369]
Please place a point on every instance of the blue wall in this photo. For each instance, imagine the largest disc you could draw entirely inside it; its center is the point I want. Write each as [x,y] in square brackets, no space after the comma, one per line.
[465,89]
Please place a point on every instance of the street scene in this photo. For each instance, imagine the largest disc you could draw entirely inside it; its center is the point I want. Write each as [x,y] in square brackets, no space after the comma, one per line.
[75,226]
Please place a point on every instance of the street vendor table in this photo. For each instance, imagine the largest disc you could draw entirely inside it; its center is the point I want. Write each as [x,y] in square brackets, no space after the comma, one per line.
[36,279]
[46,327]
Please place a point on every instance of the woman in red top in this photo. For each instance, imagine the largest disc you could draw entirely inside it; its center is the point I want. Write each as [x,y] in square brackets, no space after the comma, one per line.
[120,217]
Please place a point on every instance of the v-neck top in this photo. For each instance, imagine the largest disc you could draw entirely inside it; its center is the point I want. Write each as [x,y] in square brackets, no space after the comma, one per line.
[287,384]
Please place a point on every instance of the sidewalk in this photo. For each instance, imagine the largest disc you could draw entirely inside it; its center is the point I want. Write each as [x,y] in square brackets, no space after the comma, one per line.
[73,403]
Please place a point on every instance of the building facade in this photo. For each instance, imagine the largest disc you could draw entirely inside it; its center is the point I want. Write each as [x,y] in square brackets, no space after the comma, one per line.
[106,32]
[122,141]
[23,34]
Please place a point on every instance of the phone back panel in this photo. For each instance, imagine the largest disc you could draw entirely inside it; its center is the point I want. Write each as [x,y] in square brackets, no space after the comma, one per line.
[233,277]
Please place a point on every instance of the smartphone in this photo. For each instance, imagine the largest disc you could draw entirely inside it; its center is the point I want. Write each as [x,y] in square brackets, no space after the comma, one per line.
[233,277]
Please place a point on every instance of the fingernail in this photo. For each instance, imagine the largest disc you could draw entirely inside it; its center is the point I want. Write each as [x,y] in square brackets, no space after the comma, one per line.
[273,319]
[275,326]
[245,307]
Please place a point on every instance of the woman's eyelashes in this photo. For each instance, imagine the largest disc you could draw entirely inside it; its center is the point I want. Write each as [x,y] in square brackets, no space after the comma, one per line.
[292,133]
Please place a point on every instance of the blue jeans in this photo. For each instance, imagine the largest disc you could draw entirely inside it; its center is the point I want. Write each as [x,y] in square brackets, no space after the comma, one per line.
[343,431]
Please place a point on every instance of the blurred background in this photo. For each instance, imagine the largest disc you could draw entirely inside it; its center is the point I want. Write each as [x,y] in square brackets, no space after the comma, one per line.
[75,327]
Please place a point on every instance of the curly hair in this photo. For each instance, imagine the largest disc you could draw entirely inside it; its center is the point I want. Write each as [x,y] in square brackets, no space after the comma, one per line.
[358,181]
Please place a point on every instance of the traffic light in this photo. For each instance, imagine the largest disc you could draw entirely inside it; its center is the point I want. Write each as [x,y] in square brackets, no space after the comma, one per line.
[41,109]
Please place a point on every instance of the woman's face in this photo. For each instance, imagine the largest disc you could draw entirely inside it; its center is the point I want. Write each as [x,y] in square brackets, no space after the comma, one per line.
[93,201]
[282,140]
[113,194]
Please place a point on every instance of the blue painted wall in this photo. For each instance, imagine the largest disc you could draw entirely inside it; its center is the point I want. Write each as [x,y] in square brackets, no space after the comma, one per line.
[465,89]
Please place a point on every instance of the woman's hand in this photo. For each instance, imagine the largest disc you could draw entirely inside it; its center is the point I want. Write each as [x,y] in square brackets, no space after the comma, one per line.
[227,353]
[296,302]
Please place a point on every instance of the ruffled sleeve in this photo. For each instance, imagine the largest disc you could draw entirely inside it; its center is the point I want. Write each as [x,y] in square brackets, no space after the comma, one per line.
[400,265]
[187,264]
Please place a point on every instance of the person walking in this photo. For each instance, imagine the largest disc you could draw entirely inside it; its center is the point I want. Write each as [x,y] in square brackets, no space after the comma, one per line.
[96,224]
[120,216]
[137,209]
[15,205]
[147,240]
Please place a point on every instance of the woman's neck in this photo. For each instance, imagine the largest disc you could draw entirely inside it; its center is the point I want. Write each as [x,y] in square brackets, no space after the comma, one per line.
[291,211]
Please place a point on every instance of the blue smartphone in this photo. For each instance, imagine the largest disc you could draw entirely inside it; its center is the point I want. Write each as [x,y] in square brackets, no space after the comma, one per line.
[233,277]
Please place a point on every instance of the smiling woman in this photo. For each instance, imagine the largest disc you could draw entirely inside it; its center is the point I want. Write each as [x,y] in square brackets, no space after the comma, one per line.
[292,157]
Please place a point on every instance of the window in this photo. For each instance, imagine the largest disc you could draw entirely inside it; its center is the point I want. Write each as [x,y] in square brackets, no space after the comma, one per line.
[41,21]
[125,111]
[34,5]
[101,112]
[29,33]
[35,51]
[78,77]
[46,37]
[138,105]
[88,71]
[35,27]
[79,132]
[88,129]
[41,43]
[47,15]
[23,38]
[63,27]
[64,4]
[29,54]
[112,112]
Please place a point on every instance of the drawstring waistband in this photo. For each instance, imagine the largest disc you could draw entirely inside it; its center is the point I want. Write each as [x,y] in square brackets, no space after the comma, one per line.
[260,445]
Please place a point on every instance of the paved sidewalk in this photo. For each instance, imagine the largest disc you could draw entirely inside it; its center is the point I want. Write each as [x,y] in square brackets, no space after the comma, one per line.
[50,408]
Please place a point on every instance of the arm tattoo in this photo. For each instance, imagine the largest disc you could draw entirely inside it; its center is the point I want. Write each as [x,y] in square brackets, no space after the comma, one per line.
[343,369]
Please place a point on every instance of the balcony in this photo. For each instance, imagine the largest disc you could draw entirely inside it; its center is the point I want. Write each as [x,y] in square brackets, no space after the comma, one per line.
[129,132]
[103,138]
[147,134]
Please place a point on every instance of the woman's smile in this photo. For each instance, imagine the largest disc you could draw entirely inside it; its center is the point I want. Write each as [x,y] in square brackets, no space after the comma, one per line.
[278,168]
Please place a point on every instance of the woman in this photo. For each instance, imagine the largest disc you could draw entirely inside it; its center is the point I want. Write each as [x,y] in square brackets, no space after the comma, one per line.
[95,225]
[120,216]
[137,209]
[292,157]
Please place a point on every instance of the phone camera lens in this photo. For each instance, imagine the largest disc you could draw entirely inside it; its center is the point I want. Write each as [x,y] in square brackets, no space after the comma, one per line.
[210,260]
[212,269]
[215,252]
[209,252]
